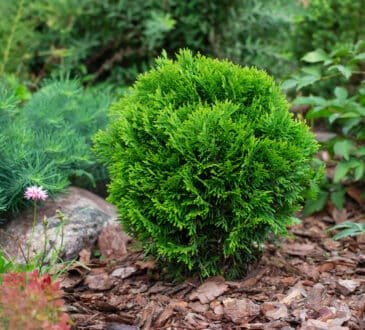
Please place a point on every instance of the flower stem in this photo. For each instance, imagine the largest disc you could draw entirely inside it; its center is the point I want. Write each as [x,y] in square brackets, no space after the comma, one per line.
[29,245]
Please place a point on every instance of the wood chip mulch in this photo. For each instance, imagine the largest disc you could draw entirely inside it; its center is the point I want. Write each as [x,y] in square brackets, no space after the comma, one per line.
[308,282]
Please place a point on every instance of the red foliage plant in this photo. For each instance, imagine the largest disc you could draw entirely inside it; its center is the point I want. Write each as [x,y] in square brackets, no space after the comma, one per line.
[29,302]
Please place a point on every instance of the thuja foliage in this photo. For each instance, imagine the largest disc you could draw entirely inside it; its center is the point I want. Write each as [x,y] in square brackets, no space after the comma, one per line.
[45,141]
[205,163]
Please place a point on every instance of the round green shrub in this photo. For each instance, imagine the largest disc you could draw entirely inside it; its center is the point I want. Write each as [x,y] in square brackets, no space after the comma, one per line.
[205,163]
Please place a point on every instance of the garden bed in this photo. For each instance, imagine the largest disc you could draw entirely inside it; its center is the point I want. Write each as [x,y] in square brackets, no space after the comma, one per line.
[308,282]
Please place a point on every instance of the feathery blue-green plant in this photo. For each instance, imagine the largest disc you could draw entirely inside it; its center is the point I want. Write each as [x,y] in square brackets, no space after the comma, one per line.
[45,141]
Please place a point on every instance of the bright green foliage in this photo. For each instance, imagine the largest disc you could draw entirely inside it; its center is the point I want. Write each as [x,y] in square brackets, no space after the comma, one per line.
[46,141]
[205,163]
[326,23]
[343,109]
[5,264]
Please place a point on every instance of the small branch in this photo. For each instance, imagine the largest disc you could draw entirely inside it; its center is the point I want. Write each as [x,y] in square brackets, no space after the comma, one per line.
[117,57]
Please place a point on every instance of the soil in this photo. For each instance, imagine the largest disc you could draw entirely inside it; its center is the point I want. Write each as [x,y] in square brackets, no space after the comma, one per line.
[309,281]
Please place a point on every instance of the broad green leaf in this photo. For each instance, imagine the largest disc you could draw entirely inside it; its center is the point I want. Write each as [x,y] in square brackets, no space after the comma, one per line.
[341,93]
[349,224]
[338,198]
[312,71]
[315,205]
[359,171]
[345,71]
[316,56]
[360,57]
[360,109]
[312,100]
[359,152]
[306,81]
[318,112]
[341,52]
[349,124]
[288,84]
[345,233]
[341,170]
[343,148]
[332,118]
[348,228]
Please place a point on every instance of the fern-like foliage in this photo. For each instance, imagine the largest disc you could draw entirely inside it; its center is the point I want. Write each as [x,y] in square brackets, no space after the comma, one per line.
[46,140]
[205,163]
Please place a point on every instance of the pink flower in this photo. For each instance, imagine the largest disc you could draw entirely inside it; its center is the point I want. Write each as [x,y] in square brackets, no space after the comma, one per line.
[36,193]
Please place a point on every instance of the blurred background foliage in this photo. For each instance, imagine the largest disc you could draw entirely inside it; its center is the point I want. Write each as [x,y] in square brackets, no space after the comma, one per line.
[114,40]
[314,47]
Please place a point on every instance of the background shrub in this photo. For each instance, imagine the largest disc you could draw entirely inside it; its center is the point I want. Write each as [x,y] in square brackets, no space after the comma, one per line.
[205,162]
[45,141]
[328,23]
[258,33]
[116,40]
[342,110]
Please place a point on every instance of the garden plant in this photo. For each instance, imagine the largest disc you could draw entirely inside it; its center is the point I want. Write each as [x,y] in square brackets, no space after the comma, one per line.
[229,138]
[206,163]
[31,301]
[342,71]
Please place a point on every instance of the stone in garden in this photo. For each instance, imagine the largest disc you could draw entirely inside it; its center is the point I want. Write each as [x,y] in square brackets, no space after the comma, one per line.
[85,215]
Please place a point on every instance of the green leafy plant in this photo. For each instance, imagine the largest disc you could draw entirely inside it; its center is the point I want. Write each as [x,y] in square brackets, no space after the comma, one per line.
[30,301]
[45,141]
[343,108]
[5,264]
[205,163]
[348,229]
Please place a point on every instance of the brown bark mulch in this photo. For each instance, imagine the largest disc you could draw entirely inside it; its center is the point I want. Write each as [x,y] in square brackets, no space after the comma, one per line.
[309,281]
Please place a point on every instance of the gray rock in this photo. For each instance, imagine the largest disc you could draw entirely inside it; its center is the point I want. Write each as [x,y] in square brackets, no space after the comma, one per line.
[82,213]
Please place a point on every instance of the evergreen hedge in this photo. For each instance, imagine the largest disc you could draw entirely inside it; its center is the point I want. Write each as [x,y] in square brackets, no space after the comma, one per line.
[205,163]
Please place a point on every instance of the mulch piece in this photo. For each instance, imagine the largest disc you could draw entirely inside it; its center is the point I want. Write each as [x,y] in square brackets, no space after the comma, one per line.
[309,281]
